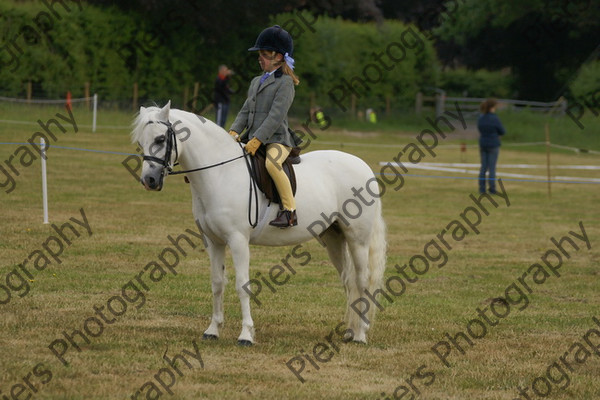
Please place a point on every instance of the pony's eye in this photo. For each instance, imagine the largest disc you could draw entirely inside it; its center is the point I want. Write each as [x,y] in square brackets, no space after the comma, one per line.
[160,139]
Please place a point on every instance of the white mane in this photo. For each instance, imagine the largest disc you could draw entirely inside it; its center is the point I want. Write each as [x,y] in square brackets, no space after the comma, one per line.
[191,120]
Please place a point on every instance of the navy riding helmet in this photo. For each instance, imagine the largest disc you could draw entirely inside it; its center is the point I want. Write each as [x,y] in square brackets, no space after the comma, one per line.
[276,39]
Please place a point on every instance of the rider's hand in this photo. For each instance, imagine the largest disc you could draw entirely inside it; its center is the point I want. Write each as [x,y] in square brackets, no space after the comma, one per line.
[253,145]
[235,135]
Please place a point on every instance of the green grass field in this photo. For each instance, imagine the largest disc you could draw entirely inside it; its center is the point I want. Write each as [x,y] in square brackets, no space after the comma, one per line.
[130,229]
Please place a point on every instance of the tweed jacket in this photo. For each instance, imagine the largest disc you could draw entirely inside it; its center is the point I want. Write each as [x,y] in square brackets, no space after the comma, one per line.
[264,113]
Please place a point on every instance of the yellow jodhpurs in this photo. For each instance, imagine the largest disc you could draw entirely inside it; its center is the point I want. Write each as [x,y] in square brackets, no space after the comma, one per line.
[276,155]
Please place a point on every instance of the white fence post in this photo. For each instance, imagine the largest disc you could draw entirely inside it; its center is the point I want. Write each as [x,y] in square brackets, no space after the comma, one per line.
[440,100]
[95,113]
[44,183]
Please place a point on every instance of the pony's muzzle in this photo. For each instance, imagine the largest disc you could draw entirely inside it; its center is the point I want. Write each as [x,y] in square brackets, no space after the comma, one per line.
[151,183]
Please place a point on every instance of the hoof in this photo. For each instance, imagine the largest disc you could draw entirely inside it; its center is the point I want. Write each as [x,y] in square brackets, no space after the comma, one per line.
[361,342]
[244,343]
[206,336]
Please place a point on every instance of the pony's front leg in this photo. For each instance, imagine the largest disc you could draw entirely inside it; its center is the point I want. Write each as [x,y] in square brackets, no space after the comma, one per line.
[240,252]
[216,252]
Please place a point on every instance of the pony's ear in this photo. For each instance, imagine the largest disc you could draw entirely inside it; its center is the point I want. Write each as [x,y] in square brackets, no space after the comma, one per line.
[142,109]
[163,114]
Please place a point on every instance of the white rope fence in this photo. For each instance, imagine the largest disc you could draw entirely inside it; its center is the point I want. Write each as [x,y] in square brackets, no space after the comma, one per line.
[93,100]
[465,168]
[45,101]
[473,169]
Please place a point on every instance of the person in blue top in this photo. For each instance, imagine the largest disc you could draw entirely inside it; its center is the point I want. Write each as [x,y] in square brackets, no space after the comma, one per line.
[490,129]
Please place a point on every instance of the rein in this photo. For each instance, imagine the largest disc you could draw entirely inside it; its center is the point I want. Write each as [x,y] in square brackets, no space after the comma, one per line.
[172,144]
[253,185]
[206,167]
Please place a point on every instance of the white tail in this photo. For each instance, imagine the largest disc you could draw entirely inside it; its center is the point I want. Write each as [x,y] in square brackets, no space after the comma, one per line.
[373,273]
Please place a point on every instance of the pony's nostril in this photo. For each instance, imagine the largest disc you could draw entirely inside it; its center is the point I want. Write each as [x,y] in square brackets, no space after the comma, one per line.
[151,181]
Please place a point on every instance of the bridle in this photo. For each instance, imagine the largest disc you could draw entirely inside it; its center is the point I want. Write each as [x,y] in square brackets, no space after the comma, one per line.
[171,143]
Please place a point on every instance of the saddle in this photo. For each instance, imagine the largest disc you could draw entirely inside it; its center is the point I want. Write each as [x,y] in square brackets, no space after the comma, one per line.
[263,180]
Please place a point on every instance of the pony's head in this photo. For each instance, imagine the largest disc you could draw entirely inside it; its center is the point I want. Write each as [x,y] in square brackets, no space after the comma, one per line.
[154,133]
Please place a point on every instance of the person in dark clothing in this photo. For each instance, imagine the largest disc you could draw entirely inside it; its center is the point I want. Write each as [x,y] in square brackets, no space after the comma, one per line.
[221,94]
[490,129]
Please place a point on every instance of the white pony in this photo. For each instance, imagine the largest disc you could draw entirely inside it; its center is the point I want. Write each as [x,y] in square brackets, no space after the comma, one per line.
[326,198]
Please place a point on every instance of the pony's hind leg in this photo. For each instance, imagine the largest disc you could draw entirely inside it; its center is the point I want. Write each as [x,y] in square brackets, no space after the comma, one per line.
[359,323]
[218,281]
[337,247]
[369,256]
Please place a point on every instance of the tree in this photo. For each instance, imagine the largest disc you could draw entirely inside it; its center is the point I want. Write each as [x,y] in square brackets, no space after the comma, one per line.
[544,42]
